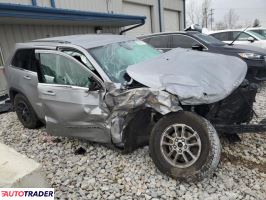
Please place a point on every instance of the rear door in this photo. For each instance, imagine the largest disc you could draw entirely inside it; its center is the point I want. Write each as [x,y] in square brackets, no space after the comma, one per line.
[72,97]
[22,76]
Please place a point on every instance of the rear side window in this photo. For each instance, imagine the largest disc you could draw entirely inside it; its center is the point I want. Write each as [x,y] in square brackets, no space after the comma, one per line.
[221,36]
[25,59]
[147,40]
[159,41]
[183,41]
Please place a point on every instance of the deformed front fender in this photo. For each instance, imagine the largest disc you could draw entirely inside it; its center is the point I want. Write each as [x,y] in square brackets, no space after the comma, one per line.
[122,102]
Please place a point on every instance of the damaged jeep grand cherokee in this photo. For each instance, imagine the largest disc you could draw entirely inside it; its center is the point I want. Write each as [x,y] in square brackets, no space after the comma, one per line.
[118,90]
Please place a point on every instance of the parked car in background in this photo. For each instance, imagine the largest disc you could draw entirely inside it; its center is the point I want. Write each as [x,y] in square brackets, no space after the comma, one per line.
[254,57]
[259,30]
[120,91]
[247,37]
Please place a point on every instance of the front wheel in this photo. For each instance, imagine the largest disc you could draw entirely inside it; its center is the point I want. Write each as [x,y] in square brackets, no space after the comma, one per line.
[185,146]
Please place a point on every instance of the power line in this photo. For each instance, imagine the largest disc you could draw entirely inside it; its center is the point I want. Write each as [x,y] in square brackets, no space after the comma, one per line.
[240,8]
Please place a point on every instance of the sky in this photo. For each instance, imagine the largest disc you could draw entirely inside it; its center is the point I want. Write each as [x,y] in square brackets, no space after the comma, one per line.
[247,10]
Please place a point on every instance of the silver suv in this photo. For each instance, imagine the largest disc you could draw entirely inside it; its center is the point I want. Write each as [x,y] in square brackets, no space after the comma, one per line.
[118,90]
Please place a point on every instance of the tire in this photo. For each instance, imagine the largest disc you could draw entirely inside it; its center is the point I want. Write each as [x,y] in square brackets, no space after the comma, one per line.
[25,112]
[206,149]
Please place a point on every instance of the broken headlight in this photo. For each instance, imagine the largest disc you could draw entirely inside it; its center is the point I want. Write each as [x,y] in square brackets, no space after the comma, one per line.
[251,56]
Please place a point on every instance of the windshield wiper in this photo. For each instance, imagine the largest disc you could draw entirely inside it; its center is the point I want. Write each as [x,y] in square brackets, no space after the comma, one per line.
[238,36]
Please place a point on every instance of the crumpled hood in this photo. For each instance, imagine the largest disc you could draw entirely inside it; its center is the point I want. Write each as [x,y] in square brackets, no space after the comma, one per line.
[195,77]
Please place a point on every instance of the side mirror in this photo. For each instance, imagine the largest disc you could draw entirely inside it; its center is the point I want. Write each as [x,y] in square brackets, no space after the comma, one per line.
[251,39]
[197,47]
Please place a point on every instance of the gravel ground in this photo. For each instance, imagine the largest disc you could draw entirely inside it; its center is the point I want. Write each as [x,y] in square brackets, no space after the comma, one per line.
[102,173]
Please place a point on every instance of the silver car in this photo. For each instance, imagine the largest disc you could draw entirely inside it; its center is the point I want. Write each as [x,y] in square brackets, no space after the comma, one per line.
[118,90]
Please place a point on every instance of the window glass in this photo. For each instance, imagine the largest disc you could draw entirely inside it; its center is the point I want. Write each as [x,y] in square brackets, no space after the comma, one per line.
[57,69]
[115,58]
[242,37]
[25,59]
[183,41]
[159,41]
[221,36]
[262,32]
[208,39]
[258,35]
[80,57]
[147,40]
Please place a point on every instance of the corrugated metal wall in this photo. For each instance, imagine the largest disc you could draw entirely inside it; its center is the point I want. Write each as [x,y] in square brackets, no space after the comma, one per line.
[25,2]
[85,5]
[97,6]
[13,33]
[114,6]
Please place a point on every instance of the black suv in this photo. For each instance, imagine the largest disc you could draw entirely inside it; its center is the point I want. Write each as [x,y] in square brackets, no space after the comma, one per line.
[255,57]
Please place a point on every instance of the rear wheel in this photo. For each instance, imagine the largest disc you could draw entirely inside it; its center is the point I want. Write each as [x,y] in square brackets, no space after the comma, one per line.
[25,112]
[185,146]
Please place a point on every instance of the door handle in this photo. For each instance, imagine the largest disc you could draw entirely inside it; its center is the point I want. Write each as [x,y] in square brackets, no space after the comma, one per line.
[49,92]
[27,77]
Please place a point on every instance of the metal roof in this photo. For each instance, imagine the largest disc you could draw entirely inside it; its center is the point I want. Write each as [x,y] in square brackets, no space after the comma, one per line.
[86,41]
[18,12]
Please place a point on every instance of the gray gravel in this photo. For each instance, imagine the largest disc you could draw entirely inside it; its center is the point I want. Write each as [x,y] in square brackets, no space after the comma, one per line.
[103,173]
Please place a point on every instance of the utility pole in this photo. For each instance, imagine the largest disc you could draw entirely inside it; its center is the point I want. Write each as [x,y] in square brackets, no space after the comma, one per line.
[211,14]
[206,17]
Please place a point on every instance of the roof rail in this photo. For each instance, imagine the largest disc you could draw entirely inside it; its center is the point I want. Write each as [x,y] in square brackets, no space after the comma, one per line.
[55,41]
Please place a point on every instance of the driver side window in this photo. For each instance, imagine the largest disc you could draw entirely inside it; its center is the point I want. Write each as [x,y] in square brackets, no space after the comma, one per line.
[58,69]
[242,36]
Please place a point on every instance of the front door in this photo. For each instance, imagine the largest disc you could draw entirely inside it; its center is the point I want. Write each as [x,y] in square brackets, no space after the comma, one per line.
[72,97]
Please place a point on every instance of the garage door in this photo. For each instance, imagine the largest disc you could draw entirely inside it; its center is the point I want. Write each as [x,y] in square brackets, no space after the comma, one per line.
[140,10]
[171,20]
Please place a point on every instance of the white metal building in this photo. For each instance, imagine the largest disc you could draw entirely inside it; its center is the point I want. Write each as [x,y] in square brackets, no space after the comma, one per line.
[25,20]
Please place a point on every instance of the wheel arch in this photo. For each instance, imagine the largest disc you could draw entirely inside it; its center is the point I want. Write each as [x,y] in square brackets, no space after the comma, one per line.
[139,124]
[12,93]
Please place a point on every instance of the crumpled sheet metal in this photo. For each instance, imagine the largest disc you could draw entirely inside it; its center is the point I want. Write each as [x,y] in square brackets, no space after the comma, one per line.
[121,102]
[195,77]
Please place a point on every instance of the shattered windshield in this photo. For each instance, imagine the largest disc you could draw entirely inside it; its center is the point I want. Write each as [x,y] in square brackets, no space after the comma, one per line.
[115,58]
